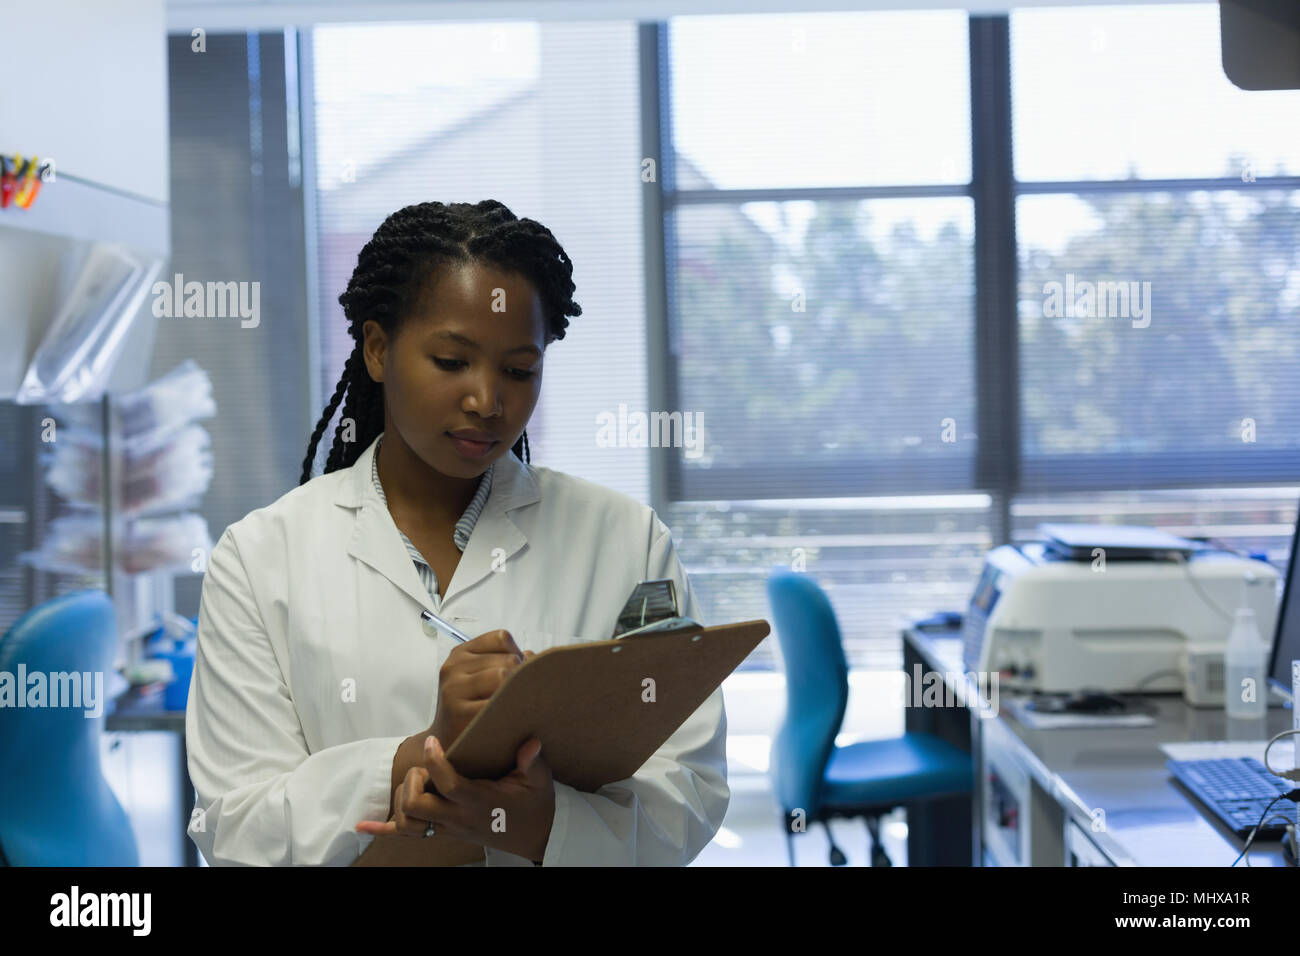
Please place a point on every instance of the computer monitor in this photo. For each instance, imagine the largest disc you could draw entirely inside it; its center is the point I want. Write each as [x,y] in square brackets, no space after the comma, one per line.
[1286,638]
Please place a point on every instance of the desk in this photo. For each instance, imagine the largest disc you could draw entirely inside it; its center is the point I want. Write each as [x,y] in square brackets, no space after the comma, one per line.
[1149,820]
[130,715]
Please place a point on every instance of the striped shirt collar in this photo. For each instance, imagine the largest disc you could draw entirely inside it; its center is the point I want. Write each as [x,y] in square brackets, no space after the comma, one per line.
[464,527]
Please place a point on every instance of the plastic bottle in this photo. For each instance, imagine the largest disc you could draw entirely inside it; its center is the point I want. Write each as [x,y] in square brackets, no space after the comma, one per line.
[1245,657]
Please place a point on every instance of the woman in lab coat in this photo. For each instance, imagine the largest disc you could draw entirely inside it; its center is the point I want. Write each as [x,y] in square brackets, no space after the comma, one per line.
[317,687]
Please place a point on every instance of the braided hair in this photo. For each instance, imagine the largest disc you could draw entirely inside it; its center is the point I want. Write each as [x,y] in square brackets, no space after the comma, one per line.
[398,262]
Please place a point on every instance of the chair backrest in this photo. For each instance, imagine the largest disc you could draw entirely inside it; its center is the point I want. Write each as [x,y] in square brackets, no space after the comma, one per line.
[816,688]
[56,808]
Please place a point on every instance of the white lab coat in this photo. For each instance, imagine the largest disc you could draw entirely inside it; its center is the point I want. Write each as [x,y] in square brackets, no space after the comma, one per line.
[313,666]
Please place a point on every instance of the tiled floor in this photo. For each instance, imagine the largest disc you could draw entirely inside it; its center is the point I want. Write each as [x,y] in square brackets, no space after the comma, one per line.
[141,768]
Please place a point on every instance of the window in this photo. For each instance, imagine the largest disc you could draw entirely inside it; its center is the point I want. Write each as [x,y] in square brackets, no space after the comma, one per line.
[1142,167]
[825,162]
[1107,93]
[800,316]
[1158,221]
[821,306]
[820,100]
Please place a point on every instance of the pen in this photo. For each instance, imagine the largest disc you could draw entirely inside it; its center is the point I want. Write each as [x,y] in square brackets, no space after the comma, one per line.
[443,626]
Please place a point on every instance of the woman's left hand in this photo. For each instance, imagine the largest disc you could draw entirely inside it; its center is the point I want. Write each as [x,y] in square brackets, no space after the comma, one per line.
[513,814]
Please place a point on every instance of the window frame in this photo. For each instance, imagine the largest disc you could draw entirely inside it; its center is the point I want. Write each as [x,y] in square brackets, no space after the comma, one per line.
[1001,469]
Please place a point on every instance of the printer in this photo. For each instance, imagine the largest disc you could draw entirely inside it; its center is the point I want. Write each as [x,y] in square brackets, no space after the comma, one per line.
[1112,608]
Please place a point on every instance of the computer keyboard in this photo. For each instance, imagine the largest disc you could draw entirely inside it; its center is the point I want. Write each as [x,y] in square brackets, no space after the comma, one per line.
[1236,790]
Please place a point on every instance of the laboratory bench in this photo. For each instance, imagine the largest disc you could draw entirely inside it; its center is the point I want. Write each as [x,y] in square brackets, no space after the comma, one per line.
[1074,796]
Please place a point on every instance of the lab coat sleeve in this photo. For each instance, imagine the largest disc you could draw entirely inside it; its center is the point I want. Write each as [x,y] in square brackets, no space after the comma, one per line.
[670,809]
[264,798]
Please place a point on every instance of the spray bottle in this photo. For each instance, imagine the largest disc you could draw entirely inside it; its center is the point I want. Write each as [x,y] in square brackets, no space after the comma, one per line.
[1244,659]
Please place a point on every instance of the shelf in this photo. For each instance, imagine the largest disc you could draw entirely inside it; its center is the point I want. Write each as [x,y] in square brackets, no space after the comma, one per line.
[73,208]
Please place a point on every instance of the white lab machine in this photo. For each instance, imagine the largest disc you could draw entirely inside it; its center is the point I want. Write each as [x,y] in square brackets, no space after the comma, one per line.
[1053,619]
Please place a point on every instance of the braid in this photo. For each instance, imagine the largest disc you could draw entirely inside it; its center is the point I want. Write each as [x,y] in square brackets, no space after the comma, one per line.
[325,420]
[406,252]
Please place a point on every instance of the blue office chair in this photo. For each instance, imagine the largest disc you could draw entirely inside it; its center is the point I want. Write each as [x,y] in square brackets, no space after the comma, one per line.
[56,808]
[810,773]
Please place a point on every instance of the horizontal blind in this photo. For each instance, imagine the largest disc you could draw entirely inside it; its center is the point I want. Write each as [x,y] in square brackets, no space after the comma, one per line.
[236,214]
[822,324]
[820,264]
[1159,227]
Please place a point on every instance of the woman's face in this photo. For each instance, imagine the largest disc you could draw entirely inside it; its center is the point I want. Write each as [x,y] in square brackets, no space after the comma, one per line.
[468,357]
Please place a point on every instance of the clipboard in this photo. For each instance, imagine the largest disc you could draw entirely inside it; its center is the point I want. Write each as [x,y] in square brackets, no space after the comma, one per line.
[595,710]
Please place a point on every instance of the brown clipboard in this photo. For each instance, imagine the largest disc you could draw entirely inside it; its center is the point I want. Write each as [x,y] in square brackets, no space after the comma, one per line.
[596,714]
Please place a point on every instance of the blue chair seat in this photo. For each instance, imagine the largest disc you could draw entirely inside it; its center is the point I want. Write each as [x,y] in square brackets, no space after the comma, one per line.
[876,772]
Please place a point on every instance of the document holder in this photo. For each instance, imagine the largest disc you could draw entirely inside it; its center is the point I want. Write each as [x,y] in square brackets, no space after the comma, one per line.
[600,708]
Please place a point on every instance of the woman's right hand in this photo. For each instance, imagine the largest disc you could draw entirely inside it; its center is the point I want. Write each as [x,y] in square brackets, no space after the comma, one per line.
[471,674]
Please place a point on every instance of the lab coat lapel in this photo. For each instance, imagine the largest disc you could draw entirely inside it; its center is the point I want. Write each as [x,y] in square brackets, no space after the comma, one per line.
[376,542]
[513,487]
